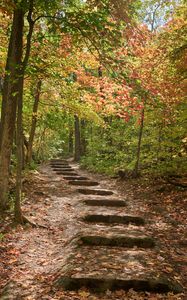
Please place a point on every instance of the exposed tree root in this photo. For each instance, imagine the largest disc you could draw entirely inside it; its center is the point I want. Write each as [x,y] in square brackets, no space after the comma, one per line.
[24,220]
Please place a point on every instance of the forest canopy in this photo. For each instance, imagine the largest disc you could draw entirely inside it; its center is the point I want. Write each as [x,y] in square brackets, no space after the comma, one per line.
[102,81]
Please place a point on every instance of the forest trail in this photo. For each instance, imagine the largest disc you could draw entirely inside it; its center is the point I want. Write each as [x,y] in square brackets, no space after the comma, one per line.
[93,235]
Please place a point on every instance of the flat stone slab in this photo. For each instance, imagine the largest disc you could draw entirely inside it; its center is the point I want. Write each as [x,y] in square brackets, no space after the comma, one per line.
[67,173]
[100,269]
[58,161]
[95,192]
[83,183]
[126,241]
[112,219]
[60,166]
[75,177]
[63,169]
[100,285]
[105,202]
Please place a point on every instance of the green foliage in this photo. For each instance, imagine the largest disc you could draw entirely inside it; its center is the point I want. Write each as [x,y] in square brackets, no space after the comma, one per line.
[1,236]
[63,34]
[163,149]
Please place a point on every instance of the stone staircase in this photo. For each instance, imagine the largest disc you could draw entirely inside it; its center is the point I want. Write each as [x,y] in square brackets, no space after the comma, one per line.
[112,250]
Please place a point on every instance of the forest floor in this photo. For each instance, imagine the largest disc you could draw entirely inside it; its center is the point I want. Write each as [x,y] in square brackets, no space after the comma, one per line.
[32,259]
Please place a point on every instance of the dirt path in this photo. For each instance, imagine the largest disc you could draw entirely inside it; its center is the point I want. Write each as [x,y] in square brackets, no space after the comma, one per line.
[68,247]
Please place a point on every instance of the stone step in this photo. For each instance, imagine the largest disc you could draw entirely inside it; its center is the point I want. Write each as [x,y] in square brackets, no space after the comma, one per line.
[112,219]
[105,202]
[83,182]
[59,172]
[75,178]
[126,241]
[100,285]
[63,169]
[61,166]
[58,161]
[67,173]
[111,230]
[95,192]
[100,269]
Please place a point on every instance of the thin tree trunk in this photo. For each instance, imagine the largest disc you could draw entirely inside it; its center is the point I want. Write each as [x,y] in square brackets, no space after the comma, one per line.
[159,143]
[136,168]
[83,139]
[70,141]
[77,154]
[23,153]
[9,103]
[17,207]
[34,121]
[42,138]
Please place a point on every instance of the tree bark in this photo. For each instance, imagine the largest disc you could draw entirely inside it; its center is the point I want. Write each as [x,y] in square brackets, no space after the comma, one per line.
[159,143]
[13,95]
[136,168]
[70,141]
[83,137]
[19,218]
[77,154]
[19,153]
[34,121]
[9,103]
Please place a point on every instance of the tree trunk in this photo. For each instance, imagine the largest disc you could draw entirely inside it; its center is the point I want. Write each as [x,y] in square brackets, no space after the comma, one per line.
[77,154]
[9,103]
[42,138]
[159,143]
[136,168]
[70,141]
[34,121]
[83,138]
[19,153]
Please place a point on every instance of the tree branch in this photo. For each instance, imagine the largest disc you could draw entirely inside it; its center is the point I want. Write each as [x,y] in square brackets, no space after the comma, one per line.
[29,35]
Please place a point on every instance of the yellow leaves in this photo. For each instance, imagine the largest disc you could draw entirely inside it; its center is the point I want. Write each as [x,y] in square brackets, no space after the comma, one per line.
[168,270]
[83,294]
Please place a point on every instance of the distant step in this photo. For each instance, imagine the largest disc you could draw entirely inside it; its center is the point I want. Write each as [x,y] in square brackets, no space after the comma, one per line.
[105,202]
[63,169]
[60,166]
[114,219]
[84,183]
[75,178]
[58,161]
[101,269]
[118,241]
[67,173]
[95,192]
[61,172]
